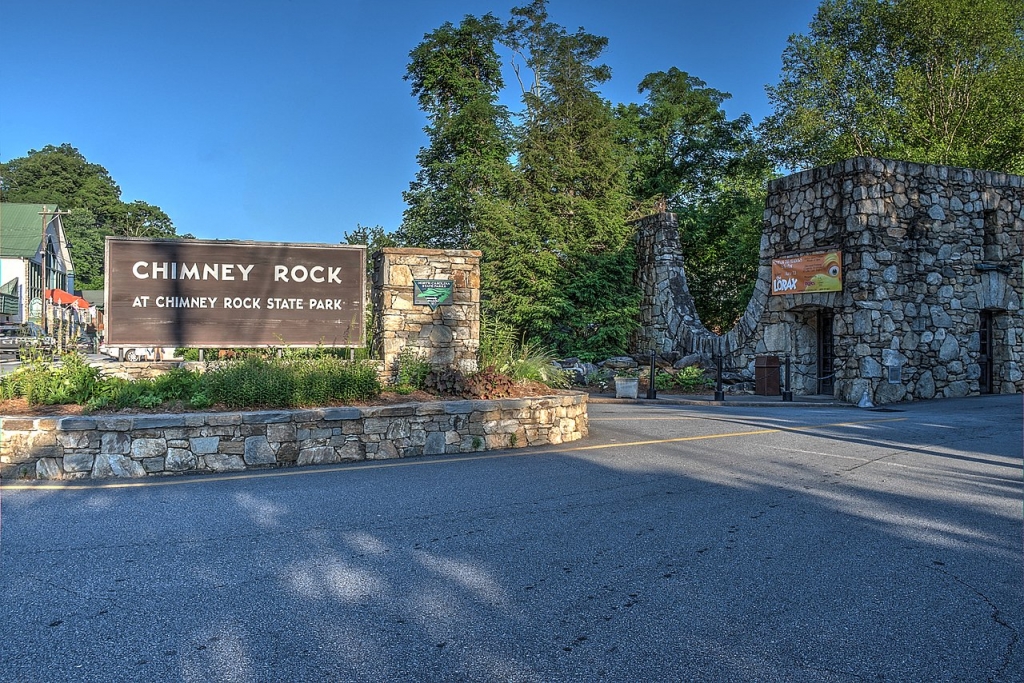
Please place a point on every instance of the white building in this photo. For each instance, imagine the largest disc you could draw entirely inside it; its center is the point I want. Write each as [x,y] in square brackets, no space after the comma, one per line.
[22,249]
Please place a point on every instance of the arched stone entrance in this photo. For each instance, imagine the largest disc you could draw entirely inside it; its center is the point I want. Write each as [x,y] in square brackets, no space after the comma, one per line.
[929,297]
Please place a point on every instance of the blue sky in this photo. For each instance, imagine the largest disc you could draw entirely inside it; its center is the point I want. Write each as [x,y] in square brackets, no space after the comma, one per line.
[289,120]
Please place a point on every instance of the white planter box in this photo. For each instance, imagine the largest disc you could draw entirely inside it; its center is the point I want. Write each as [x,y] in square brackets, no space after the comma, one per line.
[626,387]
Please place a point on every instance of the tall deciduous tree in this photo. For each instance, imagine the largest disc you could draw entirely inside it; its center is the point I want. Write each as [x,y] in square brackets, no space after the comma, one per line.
[689,157]
[63,177]
[570,282]
[139,219]
[935,81]
[456,75]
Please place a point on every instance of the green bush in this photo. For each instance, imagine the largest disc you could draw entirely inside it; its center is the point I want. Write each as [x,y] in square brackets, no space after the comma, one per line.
[253,382]
[693,379]
[280,383]
[177,385]
[412,370]
[40,382]
[663,381]
[501,349]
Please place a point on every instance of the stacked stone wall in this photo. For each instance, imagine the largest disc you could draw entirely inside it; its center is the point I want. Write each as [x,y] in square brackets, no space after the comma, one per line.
[158,445]
[928,251]
[669,323]
[448,336]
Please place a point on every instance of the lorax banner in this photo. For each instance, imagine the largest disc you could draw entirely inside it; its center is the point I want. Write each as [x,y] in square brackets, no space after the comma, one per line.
[819,272]
[223,294]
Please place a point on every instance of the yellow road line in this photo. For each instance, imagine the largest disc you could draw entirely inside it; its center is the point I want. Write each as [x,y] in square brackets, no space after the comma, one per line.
[75,485]
[644,419]
[733,434]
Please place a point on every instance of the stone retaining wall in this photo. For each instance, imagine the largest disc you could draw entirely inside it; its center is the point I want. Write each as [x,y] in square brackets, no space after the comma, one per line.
[159,445]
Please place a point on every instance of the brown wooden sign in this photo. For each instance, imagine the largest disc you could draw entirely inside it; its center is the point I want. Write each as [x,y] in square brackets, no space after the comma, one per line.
[225,294]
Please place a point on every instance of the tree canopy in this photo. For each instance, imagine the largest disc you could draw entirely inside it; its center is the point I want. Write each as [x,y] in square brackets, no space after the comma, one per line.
[932,81]
[456,76]
[547,192]
[63,177]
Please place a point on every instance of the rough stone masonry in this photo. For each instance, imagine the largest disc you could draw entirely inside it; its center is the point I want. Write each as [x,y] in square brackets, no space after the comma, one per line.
[105,446]
[930,304]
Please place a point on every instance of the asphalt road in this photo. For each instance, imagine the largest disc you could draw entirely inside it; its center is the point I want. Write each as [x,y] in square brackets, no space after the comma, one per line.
[675,544]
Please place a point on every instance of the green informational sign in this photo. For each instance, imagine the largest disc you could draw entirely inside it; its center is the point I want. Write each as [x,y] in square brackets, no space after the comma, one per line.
[35,311]
[432,293]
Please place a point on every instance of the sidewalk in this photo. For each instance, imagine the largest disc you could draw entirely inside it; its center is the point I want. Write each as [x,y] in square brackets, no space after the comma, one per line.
[731,400]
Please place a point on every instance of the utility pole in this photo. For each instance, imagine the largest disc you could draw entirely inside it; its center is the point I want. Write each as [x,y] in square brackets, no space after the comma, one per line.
[47,217]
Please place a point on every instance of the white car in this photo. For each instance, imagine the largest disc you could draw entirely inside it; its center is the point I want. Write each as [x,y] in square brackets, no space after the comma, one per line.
[137,354]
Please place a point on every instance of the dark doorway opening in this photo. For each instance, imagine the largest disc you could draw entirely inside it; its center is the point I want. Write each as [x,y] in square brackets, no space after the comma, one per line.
[985,352]
[826,353]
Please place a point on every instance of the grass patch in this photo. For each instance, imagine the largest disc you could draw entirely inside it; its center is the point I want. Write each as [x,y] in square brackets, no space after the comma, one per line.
[253,382]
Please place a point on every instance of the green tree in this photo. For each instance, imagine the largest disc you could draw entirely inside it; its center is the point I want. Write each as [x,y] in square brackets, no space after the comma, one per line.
[139,219]
[932,81]
[682,145]
[689,157]
[87,247]
[61,176]
[456,75]
[375,239]
[573,242]
[720,237]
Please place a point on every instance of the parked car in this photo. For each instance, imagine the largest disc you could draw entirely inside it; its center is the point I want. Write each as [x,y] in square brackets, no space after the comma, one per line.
[16,339]
[140,354]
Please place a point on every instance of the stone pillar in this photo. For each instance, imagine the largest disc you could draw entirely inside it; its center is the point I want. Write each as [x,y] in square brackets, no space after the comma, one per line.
[669,323]
[449,335]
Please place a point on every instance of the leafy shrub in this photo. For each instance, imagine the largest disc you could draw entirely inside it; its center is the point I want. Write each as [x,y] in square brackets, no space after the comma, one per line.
[328,379]
[177,385]
[200,401]
[664,381]
[501,349]
[693,379]
[256,382]
[412,370]
[253,382]
[72,381]
[489,383]
[446,381]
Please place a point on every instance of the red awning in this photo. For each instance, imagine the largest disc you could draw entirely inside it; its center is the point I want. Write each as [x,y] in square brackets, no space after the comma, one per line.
[59,296]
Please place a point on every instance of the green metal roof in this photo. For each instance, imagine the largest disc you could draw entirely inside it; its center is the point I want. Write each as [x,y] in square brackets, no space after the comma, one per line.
[21,229]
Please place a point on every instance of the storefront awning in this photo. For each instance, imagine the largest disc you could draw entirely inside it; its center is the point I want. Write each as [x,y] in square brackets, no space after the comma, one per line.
[59,296]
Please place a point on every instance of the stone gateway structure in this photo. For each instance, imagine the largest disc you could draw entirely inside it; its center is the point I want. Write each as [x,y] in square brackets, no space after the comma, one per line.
[929,277]
[446,334]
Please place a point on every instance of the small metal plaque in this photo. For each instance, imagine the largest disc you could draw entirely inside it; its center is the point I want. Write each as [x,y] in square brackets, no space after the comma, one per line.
[432,293]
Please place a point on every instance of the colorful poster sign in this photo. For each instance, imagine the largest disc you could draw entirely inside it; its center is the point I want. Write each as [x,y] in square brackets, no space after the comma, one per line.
[432,293]
[808,273]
